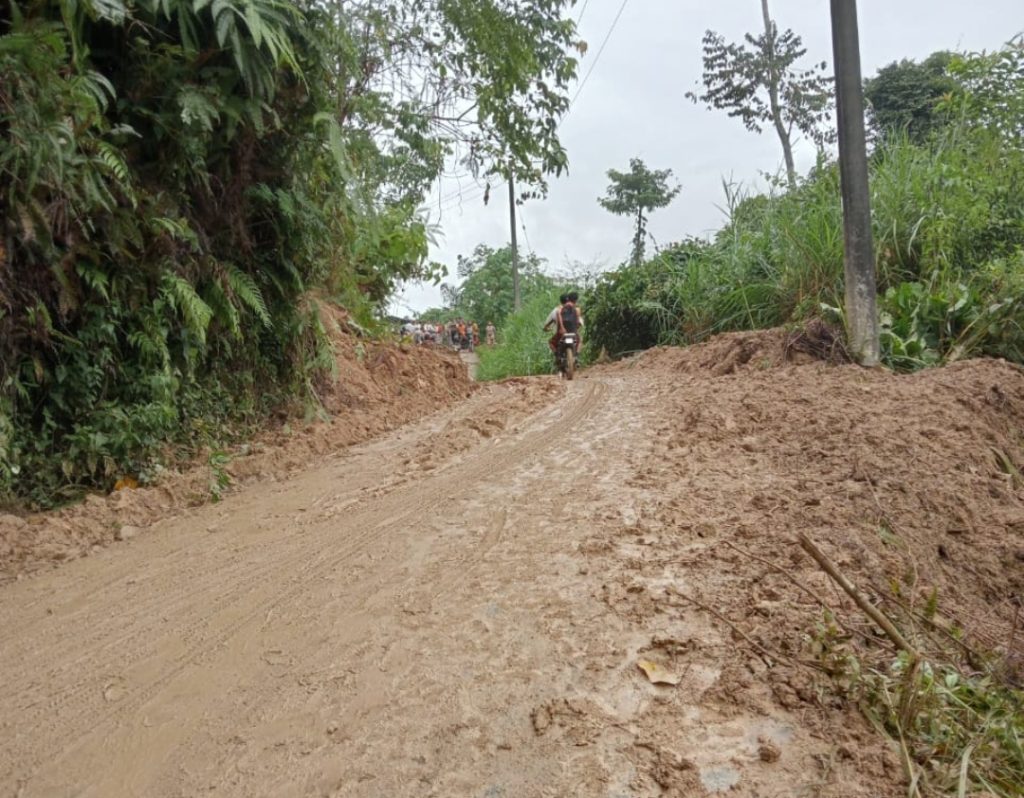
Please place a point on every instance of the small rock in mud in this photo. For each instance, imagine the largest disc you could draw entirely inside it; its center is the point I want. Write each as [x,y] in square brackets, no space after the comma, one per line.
[12,522]
[541,719]
[768,751]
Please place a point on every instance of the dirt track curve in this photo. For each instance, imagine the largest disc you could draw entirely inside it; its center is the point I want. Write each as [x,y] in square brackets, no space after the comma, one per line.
[456,609]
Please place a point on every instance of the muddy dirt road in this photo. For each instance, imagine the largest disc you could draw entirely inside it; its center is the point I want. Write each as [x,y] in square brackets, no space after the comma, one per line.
[456,609]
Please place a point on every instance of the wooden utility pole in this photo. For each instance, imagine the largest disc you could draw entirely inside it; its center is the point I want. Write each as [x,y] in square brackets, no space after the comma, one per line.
[861,292]
[515,250]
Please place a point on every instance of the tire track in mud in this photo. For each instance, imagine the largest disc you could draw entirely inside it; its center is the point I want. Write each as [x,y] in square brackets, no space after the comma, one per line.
[313,557]
[372,451]
[167,602]
[216,545]
[457,571]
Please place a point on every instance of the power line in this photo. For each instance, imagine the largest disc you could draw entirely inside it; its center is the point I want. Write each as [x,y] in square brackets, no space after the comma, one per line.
[526,235]
[582,11]
[460,199]
[600,50]
[475,186]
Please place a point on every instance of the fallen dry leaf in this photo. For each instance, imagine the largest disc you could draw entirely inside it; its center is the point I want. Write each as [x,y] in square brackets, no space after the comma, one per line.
[656,673]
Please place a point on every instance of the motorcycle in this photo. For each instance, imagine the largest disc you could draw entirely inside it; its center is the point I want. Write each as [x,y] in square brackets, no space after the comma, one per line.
[565,355]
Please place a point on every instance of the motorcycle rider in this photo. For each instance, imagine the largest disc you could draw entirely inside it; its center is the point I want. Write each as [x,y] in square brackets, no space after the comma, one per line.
[568,319]
[553,319]
[571,322]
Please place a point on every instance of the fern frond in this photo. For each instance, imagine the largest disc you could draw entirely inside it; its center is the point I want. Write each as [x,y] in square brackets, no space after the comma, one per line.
[196,107]
[95,278]
[196,314]
[113,160]
[224,310]
[245,288]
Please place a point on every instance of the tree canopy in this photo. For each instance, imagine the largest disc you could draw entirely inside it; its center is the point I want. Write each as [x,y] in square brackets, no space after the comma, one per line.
[905,96]
[486,292]
[636,192]
[760,82]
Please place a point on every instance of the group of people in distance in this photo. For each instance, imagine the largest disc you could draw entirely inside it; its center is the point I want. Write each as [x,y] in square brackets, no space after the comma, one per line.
[461,334]
[457,333]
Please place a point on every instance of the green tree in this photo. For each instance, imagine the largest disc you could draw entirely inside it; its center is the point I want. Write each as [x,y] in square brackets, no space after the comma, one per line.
[636,192]
[486,292]
[760,82]
[905,95]
[484,81]
[990,91]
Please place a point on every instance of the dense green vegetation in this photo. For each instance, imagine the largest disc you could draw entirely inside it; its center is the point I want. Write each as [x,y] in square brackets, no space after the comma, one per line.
[522,345]
[185,183]
[486,293]
[948,212]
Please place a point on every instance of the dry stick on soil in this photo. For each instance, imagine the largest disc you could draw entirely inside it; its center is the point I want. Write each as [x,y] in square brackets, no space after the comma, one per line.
[750,641]
[868,608]
[818,599]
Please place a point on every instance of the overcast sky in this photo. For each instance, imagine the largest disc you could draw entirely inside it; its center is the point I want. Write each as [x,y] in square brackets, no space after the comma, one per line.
[633,105]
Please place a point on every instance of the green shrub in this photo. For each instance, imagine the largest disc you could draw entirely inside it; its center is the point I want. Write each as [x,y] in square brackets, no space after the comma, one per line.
[522,348]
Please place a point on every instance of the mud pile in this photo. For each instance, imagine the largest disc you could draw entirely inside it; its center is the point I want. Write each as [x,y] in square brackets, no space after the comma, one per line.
[910,483]
[731,353]
[377,387]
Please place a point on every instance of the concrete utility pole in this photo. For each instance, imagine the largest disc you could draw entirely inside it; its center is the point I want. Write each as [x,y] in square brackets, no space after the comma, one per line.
[861,292]
[516,304]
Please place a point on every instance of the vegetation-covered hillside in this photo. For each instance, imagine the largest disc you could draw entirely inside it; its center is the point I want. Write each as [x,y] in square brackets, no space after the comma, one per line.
[183,182]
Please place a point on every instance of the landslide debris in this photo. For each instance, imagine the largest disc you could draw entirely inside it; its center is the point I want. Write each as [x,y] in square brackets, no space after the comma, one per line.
[911,484]
[377,386]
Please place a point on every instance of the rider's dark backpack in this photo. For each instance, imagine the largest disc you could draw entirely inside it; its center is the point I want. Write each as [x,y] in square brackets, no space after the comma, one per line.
[570,322]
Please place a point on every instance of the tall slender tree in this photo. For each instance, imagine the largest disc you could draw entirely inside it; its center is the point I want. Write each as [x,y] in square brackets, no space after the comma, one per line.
[636,192]
[759,82]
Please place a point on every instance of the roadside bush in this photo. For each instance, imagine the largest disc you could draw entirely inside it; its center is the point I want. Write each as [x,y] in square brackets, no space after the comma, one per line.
[522,348]
[173,186]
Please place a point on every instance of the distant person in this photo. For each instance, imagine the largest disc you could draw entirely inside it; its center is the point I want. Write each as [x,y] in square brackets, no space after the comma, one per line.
[553,320]
[570,320]
[476,334]
[491,333]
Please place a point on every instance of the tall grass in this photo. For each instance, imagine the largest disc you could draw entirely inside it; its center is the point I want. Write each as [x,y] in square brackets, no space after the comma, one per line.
[522,347]
[949,230]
